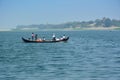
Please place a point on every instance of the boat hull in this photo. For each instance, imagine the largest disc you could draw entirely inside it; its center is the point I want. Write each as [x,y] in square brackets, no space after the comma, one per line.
[45,41]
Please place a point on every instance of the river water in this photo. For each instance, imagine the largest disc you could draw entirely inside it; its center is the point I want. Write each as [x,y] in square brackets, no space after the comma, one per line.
[88,55]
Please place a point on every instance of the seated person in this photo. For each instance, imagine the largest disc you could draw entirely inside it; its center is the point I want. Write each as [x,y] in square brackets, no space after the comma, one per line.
[39,40]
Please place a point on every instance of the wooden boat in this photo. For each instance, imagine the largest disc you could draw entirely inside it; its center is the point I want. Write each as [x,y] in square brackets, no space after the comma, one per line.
[45,41]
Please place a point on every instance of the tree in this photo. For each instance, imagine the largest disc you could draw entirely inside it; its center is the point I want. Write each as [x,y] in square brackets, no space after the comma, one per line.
[116,22]
[107,22]
[98,22]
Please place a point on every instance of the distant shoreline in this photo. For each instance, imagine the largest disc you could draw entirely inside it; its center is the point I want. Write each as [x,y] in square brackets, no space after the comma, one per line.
[68,29]
[102,28]
[5,30]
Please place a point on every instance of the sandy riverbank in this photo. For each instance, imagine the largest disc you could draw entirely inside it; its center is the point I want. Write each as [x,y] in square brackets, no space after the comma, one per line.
[69,29]
[5,29]
[102,28]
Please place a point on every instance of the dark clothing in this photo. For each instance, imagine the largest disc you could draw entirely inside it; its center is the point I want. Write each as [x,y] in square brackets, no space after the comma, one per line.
[54,39]
[36,36]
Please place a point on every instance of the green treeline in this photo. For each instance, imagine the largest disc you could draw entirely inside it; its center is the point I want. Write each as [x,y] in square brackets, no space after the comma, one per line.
[104,22]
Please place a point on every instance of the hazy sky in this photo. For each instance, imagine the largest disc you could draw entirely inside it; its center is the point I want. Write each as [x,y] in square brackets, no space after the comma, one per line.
[26,12]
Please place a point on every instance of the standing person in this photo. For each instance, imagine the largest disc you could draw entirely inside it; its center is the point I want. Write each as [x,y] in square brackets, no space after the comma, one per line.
[54,38]
[33,36]
[36,36]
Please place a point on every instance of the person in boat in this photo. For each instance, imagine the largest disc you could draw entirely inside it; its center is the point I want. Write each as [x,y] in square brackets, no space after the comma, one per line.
[54,38]
[43,38]
[33,36]
[39,40]
[63,37]
[36,36]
